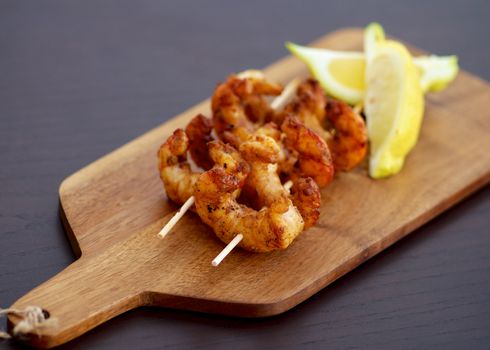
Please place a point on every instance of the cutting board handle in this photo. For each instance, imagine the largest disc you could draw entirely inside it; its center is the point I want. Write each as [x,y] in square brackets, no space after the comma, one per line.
[79,298]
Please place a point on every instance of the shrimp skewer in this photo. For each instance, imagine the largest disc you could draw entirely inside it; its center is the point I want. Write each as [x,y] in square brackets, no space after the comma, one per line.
[216,191]
[261,151]
[303,153]
[281,218]
[199,130]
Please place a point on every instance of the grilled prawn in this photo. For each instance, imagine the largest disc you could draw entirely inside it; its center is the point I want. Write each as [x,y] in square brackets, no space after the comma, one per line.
[335,121]
[239,107]
[175,171]
[274,226]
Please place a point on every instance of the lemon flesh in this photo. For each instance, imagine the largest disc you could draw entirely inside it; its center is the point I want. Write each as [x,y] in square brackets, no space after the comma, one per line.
[394,107]
[340,73]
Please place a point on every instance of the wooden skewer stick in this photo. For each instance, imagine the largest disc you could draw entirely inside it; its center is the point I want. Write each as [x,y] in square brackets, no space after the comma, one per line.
[281,100]
[238,238]
[166,229]
[289,90]
[251,73]
[229,247]
[277,103]
[358,107]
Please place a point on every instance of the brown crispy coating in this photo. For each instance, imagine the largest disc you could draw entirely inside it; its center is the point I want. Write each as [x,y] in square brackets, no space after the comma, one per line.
[216,190]
[350,141]
[199,133]
[175,171]
[314,159]
[237,104]
[309,107]
[306,197]
[335,121]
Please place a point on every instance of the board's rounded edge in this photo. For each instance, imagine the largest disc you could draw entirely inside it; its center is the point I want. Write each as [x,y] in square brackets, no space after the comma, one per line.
[232,308]
[75,245]
[227,308]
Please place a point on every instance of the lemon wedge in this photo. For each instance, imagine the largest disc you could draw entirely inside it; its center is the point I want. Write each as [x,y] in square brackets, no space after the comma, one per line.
[393,104]
[341,73]
[436,72]
[373,34]
[390,83]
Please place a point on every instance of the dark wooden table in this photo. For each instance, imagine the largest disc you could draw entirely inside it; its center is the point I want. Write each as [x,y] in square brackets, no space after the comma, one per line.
[78,79]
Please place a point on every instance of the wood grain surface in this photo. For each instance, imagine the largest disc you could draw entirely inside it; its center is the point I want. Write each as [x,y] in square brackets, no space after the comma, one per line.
[114,207]
[79,80]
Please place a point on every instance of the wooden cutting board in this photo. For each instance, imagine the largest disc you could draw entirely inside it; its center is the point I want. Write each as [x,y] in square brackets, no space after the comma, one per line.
[113,208]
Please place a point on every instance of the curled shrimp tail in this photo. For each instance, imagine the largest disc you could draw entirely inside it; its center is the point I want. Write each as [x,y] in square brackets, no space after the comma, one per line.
[260,149]
[349,142]
[269,129]
[312,98]
[314,159]
[238,104]
[199,133]
[230,121]
[175,171]
[263,187]
[227,157]
[306,197]
[308,107]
